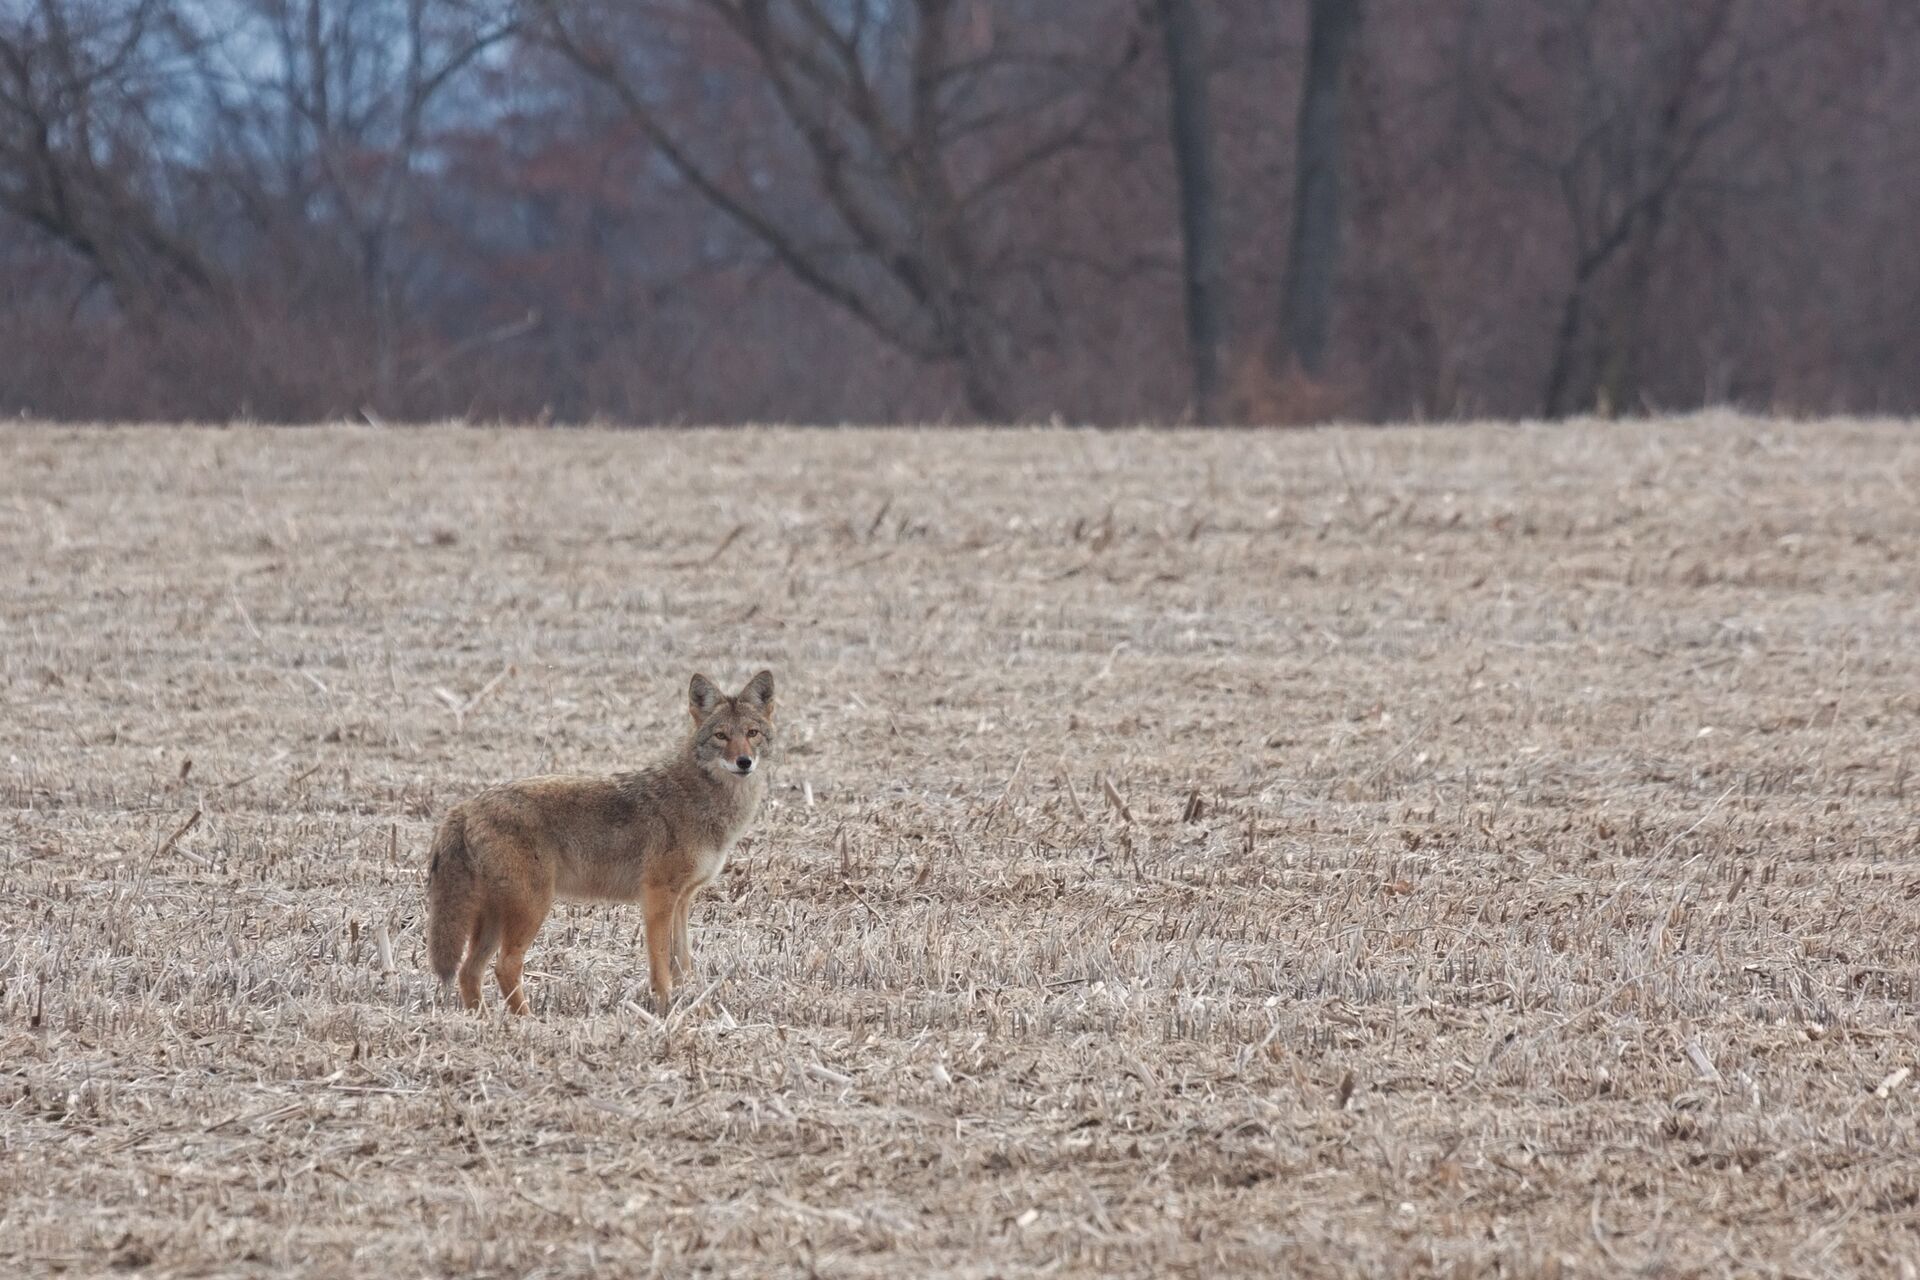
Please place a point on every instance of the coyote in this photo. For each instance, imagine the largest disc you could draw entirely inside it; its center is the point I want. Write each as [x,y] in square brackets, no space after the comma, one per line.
[656,836]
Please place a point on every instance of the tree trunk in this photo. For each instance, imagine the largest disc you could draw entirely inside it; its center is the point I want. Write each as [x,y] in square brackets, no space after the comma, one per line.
[1313,250]
[1620,388]
[985,370]
[1596,357]
[1562,395]
[1192,129]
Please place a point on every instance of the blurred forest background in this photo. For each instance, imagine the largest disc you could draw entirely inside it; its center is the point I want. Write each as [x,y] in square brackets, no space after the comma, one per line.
[1004,210]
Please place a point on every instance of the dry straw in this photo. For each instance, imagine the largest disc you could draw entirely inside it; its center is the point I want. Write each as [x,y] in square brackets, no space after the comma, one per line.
[1344,853]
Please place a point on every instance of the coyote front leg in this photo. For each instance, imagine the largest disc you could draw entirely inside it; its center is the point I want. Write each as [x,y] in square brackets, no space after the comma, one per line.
[658,903]
[682,941]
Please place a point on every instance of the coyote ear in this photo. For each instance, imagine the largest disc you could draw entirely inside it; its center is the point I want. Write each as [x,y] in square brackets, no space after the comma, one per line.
[759,692]
[702,696]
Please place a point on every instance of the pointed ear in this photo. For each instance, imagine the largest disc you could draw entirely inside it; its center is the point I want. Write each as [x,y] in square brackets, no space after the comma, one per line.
[702,697]
[759,693]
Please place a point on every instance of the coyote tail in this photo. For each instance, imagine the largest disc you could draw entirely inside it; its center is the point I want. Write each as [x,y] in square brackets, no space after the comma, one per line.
[450,904]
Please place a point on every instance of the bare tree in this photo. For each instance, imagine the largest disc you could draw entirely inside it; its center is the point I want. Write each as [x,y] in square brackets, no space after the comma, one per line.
[83,140]
[1313,248]
[915,118]
[729,210]
[1644,90]
[324,119]
[1202,260]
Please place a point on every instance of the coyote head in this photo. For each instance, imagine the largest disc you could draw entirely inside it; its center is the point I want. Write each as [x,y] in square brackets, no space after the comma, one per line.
[731,736]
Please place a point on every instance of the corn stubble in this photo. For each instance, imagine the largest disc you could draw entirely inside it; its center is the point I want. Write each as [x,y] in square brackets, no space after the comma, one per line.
[1380,852]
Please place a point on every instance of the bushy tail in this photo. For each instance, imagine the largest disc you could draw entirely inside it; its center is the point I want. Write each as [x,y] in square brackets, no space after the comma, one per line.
[450,899]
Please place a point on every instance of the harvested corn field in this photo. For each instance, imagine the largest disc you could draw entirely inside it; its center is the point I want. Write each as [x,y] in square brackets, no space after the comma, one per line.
[1399,852]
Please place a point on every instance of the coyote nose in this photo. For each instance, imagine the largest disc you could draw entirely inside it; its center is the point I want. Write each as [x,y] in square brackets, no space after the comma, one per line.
[745,763]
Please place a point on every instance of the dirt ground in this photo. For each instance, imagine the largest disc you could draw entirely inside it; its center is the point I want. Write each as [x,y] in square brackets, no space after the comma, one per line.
[1444,851]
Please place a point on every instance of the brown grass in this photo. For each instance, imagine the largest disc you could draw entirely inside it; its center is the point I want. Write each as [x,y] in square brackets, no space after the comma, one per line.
[1354,852]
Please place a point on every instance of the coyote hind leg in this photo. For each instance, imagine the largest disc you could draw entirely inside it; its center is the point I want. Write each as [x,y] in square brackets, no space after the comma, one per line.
[481,945]
[516,935]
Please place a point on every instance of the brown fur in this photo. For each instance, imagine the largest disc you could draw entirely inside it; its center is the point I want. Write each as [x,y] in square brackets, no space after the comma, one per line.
[655,836]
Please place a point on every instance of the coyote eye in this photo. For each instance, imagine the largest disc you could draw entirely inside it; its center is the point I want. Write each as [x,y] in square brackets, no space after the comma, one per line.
[753,735]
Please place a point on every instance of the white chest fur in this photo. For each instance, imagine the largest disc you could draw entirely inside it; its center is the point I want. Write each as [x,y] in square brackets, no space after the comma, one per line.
[708,866]
[711,862]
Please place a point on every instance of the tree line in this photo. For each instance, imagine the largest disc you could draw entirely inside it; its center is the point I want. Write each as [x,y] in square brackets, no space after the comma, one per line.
[997,210]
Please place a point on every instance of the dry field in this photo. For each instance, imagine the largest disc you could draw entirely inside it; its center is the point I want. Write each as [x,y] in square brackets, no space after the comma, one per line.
[1407,852]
